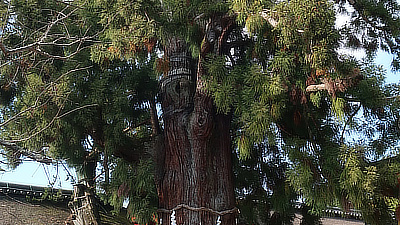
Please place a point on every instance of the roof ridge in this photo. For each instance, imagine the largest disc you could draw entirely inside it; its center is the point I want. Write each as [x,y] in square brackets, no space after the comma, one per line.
[31,190]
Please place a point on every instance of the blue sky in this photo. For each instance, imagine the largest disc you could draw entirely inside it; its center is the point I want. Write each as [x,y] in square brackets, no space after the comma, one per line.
[33,173]
[385,59]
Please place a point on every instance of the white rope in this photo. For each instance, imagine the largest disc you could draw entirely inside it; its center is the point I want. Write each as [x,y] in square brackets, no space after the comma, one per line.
[219,220]
[204,209]
[173,219]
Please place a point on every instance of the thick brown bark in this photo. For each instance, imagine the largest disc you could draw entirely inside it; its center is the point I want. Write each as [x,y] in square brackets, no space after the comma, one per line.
[196,162]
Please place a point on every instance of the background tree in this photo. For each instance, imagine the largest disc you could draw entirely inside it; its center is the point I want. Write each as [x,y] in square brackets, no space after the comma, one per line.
[67,107]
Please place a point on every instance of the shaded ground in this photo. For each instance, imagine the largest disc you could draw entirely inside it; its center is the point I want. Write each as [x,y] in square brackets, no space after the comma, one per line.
[17,211]
[340,221]
[333,221]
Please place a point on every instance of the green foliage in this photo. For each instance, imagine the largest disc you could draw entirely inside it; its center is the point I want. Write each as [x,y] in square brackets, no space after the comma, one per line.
[315,98]
[338,108]
[260,106]
[254,23]
[370,89]
[81,94]
[305,54]
[354,180]
[49,195]
[221,83]
[75,109]
[304,32]
[360,183]
[318,187]
[131,28]
[261,187]
[247,9]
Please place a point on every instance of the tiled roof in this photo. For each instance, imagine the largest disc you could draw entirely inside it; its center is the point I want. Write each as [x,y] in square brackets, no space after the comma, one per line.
[33,191]
[17,207]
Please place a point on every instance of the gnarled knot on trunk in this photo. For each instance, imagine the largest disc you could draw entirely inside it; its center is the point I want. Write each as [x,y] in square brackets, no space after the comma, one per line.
[177,93]
[202,123]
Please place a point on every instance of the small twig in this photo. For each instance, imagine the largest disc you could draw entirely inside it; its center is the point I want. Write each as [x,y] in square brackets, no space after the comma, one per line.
[76,109]
[29,154]
[98,175]
[348,122]
[56,117]
[41,130]
[136,126]
[68,173]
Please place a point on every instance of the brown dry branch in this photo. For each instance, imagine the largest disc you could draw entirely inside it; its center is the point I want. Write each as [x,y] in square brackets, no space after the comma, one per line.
[36,105]
[56,117]
[334,85]
[18,150]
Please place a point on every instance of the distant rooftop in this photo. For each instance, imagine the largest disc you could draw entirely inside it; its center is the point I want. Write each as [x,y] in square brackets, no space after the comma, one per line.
[18,208]
[33,191]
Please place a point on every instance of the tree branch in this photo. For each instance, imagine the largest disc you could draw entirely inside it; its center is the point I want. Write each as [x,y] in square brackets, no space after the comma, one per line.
[56,117]
[265,13]
[348,122]
[36,104]
[30,154]
[136,125]
[76,109]
[316,87]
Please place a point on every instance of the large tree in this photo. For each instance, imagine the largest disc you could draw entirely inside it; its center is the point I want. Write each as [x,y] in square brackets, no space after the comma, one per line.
[259,79]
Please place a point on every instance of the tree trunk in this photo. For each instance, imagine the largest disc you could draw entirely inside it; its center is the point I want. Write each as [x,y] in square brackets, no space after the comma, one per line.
[196,178]
[84,206]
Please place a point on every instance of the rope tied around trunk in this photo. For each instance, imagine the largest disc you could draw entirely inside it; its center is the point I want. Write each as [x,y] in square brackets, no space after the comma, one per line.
[197,209]
[219,220]
[200,209]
